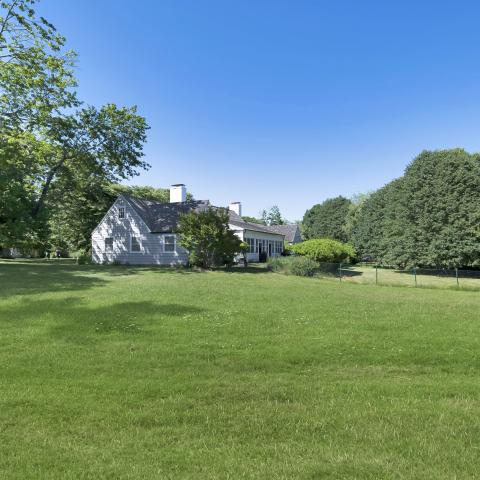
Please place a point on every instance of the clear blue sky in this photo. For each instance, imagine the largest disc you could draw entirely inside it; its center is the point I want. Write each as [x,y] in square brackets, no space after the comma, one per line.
[281,102]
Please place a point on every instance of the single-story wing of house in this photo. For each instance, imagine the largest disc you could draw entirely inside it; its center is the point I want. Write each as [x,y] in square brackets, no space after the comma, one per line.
[291,231]
[139,231]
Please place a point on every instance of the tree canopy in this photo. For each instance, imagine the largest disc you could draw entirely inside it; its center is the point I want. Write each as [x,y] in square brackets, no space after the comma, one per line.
[273,216]
[57,156]
[36,71]
[270,216]
[327,219]
[428,217]
[260,221]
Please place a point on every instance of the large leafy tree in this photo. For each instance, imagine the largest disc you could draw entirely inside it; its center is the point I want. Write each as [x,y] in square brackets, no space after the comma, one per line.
[56,157]
[36,72]
[106,143]
[208,238]
[327,219]
[143,191]
[19,171]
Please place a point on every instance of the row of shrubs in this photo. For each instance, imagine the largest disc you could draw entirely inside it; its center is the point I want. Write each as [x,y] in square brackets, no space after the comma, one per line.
[313,257]
[302,266]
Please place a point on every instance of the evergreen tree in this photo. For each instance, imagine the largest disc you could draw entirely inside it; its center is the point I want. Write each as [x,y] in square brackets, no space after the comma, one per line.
[327,219]
[428,217]
[274,217]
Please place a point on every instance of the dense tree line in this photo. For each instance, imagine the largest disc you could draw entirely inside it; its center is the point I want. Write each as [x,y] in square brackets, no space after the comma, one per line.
[428,217]
[58,157]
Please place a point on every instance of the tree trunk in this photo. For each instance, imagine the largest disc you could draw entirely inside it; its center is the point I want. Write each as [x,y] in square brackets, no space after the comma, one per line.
[51,174]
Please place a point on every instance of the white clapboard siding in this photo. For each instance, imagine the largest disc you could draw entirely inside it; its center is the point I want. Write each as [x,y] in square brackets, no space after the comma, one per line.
[152,244]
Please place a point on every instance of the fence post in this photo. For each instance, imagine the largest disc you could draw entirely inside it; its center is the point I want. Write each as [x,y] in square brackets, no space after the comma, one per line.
[415,274]
[376,274]
[340,272]
[456,276]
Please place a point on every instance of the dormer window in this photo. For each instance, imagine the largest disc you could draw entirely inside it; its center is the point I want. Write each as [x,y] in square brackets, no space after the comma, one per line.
[121,212]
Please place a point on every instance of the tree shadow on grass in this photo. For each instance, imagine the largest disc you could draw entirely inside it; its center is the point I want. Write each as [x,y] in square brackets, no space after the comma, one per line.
[30,277]
[81,323]
[242,269]
[73,320]
[347,272]
[120,270]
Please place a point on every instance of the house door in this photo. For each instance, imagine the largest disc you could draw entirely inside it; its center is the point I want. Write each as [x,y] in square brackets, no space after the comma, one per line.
[269,249]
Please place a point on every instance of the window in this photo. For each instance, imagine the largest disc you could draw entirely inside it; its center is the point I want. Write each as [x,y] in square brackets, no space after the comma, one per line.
[109,244]
[278,247]
[169,243]
[135,244]
[121,212]
[251,245]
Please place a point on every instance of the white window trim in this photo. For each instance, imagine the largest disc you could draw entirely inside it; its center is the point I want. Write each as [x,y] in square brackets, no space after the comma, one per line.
[174,243]
[120,209]
[139,243]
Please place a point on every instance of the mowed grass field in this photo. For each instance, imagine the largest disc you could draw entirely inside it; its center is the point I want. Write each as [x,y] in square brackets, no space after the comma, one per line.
[146,373]
[429,278]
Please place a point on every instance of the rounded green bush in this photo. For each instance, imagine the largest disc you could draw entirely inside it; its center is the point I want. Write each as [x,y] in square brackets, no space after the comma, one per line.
[325,250]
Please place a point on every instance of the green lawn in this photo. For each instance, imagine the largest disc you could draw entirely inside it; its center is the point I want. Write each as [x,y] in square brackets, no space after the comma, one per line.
[429,278]
[138,373]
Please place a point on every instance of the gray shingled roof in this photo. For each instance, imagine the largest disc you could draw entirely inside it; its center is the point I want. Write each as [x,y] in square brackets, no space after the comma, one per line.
[238,221]
[161,217]
[290,231]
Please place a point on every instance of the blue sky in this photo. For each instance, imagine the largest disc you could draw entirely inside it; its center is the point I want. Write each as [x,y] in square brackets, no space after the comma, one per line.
[281,102]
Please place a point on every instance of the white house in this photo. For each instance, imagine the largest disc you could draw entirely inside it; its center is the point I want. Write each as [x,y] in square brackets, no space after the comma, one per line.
[291,231]
[139,231]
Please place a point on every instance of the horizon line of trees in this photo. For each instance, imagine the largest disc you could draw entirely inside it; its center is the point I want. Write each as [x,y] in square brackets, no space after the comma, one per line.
[430,216]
